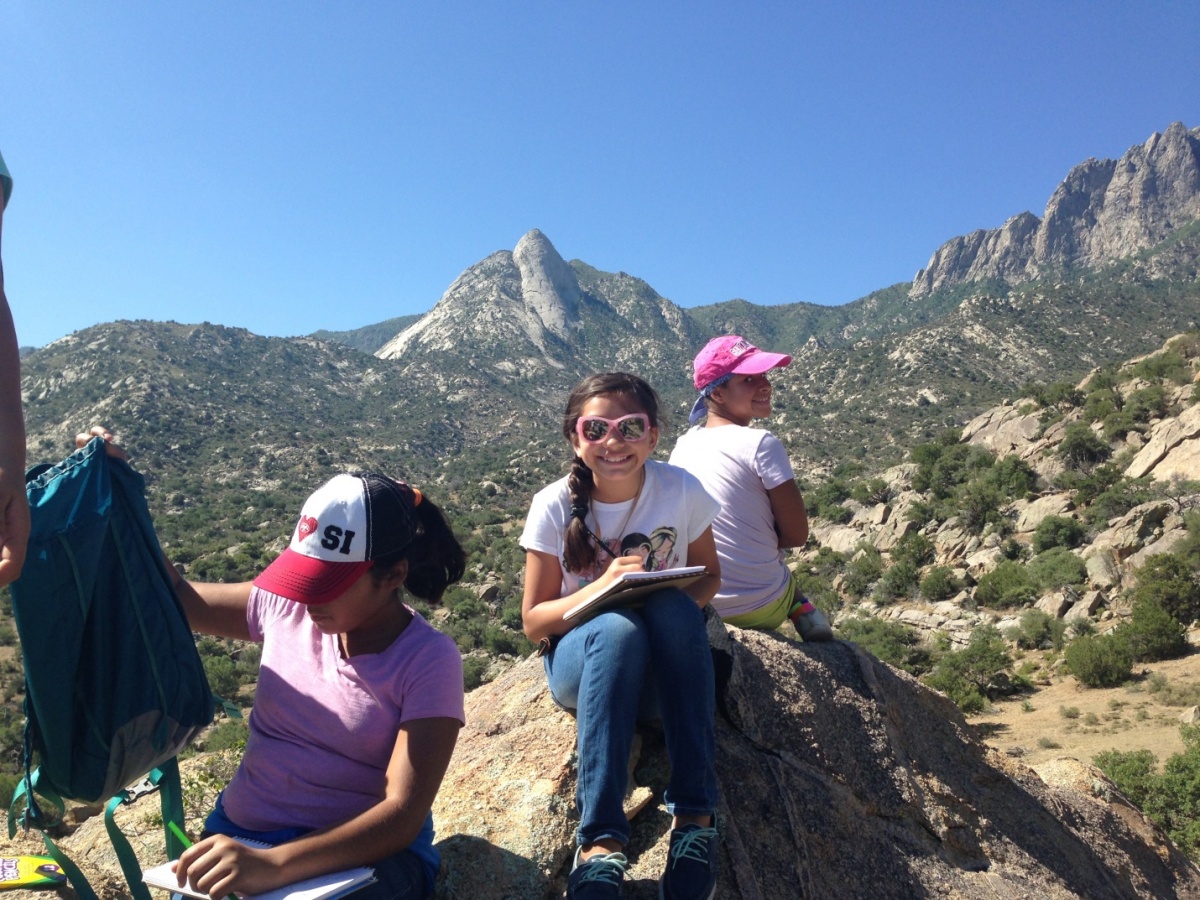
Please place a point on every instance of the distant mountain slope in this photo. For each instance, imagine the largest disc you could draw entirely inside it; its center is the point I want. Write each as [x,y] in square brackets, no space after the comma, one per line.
[369,338]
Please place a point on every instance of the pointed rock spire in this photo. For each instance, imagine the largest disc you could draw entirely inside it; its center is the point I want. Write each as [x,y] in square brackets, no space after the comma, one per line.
[548,285]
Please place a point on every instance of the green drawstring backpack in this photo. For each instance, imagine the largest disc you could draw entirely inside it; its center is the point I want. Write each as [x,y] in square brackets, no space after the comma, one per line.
[114,686]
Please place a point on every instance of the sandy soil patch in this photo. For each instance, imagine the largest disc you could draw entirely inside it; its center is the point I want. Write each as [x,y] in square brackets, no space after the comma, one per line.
[1066,719]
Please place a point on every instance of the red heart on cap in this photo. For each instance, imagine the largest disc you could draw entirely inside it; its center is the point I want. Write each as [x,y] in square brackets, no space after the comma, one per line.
[306,527]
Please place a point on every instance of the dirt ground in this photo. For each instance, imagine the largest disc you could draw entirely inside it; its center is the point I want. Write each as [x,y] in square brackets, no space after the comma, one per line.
[1065,719]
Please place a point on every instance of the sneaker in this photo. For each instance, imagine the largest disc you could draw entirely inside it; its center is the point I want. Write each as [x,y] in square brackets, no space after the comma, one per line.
[691,865]
[598,877]
[813,626]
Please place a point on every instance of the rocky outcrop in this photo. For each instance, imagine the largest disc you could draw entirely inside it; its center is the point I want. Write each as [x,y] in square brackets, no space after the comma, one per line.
[840,777]
[1104,210]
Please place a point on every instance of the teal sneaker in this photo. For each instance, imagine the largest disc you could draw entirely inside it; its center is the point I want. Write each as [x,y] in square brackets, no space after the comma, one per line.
[597,878]
[691,865]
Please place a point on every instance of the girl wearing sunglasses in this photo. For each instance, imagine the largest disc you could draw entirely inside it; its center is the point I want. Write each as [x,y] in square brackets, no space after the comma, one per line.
[623,664]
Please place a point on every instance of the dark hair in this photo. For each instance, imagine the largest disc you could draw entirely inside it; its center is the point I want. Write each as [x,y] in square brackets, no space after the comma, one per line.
[578,551]
[435,558]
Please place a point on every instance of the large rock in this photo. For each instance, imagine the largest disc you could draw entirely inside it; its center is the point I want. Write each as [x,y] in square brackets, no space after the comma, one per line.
[1003,430]
[840,777]
[1033,514]
[1132,531]
[1164,439]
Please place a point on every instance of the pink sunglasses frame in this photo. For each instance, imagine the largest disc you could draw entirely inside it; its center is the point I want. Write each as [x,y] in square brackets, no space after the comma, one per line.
[613,423]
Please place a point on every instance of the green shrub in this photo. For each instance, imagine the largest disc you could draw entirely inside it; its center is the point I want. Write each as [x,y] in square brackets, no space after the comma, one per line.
[1169,799]
[979,504]
[871,492]
[972,676]
[900,580]
[1146,404]
[1082,449]
[863,571]
[895,644]
[824,500]
[1056,568]
[1153,633]
[1100,404]
[940,583]
[1038,630]
[1099,660]
[474,668]
[1005,586]
[1169,365]
[1118,424]
[1058,531]
[914,548]
[1013,477]
[1169,581]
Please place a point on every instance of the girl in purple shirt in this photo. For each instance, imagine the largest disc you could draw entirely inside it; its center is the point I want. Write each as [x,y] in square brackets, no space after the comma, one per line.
[359,700]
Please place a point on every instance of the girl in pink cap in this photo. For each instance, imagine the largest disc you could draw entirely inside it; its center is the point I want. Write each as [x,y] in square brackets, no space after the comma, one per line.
[359,699]
[748,472]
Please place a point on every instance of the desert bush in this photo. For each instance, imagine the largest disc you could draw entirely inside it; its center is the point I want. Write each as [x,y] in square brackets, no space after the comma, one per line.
[900,580]
[871,491]
[1147,403]
[863,571]
[940,583]
[974,675]
[1007,585]
[1153,633]
[1169,365]
[1082,449]
[474,669]
[914,548]
[1169,799]
[1013,477]
[1099,660]
[1168,580]
[1118,424]
[1056,568]
[1058,531]
[895,644]
[1038,630]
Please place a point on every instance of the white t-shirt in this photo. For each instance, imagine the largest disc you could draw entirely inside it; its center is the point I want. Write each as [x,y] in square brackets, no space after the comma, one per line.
[737,466]
[671,512]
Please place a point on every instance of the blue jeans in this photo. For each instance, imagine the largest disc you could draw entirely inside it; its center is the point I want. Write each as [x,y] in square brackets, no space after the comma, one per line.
[625,664]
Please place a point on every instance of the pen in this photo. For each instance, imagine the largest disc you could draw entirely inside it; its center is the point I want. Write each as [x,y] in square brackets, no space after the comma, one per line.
[183,839]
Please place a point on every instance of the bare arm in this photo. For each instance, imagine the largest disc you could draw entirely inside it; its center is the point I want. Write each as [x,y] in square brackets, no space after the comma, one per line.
[217,609]
[791,518]
[14,508]
[419,760]
[703,552]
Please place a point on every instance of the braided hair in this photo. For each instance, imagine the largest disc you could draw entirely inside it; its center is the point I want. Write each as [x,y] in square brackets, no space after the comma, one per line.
[579,553]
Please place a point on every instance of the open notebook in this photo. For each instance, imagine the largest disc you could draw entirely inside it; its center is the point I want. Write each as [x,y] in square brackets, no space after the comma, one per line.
[321,887]
[631,587]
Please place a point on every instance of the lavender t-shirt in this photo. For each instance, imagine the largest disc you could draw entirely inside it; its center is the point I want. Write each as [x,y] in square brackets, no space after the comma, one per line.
[323,727]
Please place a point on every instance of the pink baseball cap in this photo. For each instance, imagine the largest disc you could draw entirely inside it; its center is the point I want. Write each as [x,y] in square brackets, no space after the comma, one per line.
[345,525]
[732,354]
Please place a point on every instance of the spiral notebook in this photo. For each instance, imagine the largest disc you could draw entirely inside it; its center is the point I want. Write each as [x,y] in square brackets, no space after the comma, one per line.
[631,587]
[320,887]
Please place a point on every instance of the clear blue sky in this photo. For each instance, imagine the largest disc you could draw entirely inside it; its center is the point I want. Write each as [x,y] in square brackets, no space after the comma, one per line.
[286,167]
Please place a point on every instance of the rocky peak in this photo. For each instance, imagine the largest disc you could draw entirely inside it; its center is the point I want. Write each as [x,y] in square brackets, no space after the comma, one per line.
[1104,210]
[548,285]
[518,304]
